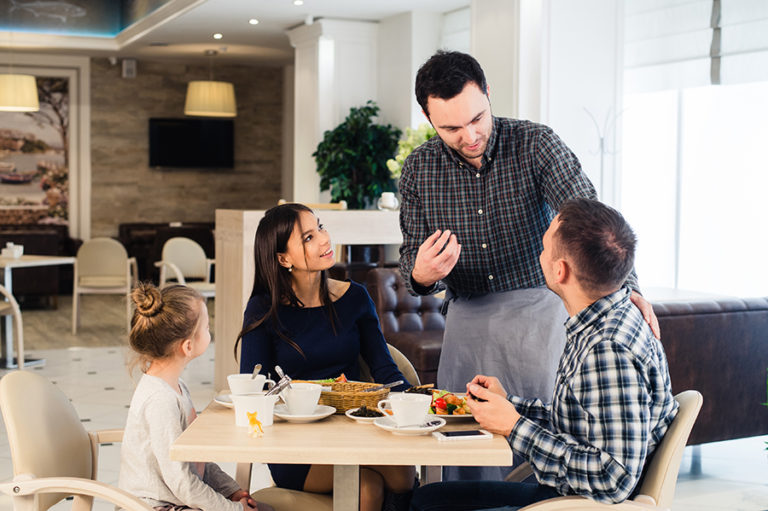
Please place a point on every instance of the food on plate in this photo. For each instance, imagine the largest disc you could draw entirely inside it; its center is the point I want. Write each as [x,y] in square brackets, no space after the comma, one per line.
[364,411]
[326,381]
[420,389]
[448,403]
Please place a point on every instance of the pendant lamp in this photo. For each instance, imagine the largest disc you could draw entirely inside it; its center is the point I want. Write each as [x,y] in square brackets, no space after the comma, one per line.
[209,98]
[18,93]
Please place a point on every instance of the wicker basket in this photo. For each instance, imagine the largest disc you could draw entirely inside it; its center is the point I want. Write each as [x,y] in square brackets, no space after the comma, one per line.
[348,395]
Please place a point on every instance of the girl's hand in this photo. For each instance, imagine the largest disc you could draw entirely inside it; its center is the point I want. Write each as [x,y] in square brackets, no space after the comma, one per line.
[241,495]
[248,504]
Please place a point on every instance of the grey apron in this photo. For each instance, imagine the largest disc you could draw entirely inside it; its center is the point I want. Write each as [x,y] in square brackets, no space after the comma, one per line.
[517,336]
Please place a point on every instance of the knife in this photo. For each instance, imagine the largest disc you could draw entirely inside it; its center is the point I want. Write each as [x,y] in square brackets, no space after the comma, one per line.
[385,386]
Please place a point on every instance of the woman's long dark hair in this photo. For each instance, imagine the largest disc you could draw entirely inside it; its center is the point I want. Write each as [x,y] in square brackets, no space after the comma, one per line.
[273,280]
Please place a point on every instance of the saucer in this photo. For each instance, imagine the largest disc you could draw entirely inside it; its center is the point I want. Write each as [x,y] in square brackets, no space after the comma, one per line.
[431,424]
[361,420]
[321,412]
[224,400]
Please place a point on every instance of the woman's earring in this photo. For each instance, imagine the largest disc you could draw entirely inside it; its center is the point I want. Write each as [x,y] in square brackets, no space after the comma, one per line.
[290,268]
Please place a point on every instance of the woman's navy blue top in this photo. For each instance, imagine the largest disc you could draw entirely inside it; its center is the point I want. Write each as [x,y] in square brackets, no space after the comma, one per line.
[326,354]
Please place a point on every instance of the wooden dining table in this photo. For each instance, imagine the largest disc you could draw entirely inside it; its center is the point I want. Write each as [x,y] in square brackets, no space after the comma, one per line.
[336,440]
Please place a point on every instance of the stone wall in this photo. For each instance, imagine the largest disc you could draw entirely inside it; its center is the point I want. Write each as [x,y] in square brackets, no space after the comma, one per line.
[124,187]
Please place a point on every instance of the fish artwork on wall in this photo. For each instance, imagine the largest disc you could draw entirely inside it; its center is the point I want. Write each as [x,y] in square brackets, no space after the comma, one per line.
[59,10]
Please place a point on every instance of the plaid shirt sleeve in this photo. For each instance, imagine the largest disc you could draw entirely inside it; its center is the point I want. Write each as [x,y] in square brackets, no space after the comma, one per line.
[608,404]
[533,409]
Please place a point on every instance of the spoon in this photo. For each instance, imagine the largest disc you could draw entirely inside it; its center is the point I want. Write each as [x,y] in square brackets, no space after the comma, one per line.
[256,370]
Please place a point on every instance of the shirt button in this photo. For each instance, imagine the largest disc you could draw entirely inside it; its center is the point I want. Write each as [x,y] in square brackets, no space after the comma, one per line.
[490,277]
[477,175]
[479,211]
[484,245]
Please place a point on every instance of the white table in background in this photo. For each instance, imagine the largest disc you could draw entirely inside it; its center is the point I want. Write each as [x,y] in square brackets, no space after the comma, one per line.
[336,441]
[8,264]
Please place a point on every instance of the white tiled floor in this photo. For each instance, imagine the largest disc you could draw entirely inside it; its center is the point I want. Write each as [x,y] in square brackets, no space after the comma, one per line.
[734,474]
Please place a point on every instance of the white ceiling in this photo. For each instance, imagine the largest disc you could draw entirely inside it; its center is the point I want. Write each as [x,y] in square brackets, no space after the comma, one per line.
[186,28]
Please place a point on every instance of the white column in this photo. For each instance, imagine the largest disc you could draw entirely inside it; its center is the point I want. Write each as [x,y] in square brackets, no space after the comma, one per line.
[336,68]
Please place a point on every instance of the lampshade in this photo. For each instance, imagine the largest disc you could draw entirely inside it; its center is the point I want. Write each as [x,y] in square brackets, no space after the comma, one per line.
[210,99]
[18,93]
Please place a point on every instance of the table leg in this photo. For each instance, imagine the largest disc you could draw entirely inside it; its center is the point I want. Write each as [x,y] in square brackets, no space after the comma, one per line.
[434,474]
[346,487]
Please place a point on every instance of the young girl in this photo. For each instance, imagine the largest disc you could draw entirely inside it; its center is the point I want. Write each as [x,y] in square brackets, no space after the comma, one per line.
[314,327]
[170,328]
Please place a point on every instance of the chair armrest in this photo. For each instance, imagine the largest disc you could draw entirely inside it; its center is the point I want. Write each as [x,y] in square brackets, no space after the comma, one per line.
[25,486]
[176,272]
[520,473]
[107,436]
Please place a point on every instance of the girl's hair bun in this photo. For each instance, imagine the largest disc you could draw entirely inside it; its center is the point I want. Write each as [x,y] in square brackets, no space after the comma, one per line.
[148,299]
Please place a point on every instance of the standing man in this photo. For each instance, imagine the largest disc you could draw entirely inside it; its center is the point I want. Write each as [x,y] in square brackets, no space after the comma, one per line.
[476,201]
[613,399]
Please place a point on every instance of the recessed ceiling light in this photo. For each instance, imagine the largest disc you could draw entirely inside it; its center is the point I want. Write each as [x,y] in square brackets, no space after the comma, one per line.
[217,36]
[253,21]
[298,2]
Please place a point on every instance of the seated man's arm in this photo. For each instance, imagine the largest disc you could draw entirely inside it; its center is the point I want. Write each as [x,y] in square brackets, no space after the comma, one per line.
[599,444]
[533,409]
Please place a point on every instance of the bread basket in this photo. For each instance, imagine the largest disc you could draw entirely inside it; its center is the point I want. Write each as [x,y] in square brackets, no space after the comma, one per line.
[348,395]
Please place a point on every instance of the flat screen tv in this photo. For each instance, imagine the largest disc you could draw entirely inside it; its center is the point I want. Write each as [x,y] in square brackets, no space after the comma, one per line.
[191,143]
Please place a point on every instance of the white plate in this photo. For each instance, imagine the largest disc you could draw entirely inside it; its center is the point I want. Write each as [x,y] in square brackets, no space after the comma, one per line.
[321,412]
[465,416]
[430,425]
[224,400]
[362,420]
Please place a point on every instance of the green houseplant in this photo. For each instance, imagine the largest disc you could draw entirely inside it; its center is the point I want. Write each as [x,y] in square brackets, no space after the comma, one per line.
[352,158]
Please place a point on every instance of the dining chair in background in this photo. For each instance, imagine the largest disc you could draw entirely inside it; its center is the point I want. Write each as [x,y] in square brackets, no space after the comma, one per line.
[657,486]
[186,259]
[53,456]
[10,309]
[403,364]
[102,266]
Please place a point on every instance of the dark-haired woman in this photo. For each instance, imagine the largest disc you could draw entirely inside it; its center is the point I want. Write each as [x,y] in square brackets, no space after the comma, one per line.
[314,327]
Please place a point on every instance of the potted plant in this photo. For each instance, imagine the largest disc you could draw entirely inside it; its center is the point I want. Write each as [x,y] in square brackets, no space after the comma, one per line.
[352,158]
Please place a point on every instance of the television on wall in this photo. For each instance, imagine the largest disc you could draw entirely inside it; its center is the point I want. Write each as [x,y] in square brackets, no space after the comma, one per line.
[192,143]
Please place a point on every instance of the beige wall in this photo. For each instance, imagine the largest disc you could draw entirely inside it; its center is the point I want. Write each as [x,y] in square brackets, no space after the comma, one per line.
[125,189]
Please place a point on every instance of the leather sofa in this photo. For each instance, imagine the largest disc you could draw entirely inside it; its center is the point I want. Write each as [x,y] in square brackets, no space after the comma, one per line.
[719,348]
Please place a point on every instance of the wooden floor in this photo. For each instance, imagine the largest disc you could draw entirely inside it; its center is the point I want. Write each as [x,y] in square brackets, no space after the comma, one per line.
[102,323]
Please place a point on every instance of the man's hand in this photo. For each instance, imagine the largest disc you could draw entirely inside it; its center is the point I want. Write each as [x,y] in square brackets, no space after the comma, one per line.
[647,311]
[490,383]
[436,258]
[496,414]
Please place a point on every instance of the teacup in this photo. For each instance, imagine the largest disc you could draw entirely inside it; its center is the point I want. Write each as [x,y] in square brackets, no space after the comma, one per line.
[407,409]
[388,201]
[260,403]
[301,398]
[245,384]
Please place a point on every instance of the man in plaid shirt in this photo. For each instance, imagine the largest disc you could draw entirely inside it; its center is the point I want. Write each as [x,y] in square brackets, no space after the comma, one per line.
[612,402]
[476,201]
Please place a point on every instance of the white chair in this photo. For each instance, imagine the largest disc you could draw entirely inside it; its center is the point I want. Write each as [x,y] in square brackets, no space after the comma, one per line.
[53,456]
[657,487]
[186,259]
[102,266]
[10,308]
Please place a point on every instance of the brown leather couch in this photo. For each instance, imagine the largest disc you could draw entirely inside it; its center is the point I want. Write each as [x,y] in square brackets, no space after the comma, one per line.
[719,348]
[412,324]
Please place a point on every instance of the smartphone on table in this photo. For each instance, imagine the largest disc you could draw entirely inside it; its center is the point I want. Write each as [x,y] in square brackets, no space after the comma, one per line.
[469,434]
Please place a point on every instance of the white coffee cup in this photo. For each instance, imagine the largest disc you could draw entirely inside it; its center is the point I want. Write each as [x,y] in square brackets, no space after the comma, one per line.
[301,398]
[263,405]
[388,201]
[245,384]
[407,409]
